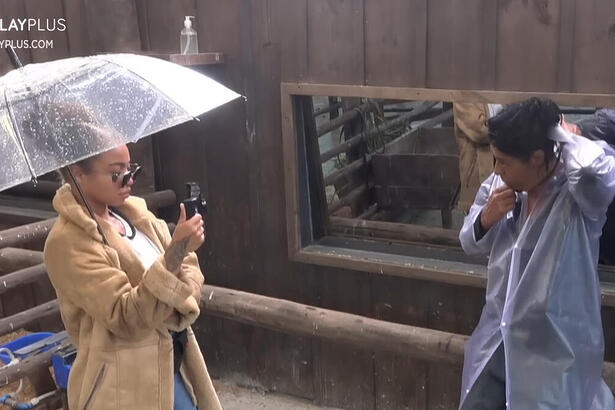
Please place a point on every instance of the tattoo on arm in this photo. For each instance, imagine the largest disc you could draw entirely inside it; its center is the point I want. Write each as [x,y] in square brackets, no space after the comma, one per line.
[175,254]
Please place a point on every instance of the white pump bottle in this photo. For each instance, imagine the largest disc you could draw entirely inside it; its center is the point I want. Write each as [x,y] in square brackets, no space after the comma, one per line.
[188,41]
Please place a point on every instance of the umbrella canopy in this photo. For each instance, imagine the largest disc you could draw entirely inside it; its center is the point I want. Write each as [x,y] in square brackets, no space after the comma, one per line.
[57,113]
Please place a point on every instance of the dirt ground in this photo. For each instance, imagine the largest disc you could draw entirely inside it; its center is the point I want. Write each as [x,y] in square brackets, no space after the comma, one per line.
[234,397]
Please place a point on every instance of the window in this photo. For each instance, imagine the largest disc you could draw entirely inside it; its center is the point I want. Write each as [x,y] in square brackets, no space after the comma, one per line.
[373,179]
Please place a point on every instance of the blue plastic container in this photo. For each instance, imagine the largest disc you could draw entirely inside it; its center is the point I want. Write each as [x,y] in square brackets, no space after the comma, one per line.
[62,362]
[23,342]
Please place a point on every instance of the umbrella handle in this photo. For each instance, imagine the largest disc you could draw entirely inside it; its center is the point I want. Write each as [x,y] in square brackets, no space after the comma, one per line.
[87,205]
[13,57]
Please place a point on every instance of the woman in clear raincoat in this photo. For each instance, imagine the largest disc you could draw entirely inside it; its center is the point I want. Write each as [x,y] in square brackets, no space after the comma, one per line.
[539,341]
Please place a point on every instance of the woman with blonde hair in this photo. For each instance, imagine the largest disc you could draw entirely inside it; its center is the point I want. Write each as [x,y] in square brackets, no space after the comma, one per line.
[128,293]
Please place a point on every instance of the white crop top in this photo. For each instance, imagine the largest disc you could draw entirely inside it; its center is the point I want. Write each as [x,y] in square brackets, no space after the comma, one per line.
[140,243]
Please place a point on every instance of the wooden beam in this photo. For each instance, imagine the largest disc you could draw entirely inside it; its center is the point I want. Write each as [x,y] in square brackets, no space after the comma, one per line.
[12,259]
[351,199]
[395,231]
[336,175]
[45,189]
[19,320]
[436,94]
[359,331]
[160,199]
[332,178]
[21,277]
[369,212]
[304,320]
[298,319]
[24,214]
[22,235]
[327,109]
[356,140]
[344,118]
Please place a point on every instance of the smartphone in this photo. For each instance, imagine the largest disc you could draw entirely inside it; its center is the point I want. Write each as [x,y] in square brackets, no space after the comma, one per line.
[192,206]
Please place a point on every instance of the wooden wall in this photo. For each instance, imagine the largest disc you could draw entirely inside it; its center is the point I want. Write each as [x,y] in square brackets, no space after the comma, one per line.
[236,154]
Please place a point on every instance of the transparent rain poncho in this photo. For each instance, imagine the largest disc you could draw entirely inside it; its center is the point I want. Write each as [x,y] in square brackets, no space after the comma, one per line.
[543,293]
[56,113]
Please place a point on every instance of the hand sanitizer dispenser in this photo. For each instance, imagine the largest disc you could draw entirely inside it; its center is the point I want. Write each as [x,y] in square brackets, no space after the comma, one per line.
[188,40]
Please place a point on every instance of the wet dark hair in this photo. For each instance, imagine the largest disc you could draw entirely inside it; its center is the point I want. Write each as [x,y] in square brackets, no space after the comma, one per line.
[522,128]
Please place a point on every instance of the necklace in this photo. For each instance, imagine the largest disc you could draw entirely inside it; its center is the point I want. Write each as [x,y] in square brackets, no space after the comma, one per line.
[124,221]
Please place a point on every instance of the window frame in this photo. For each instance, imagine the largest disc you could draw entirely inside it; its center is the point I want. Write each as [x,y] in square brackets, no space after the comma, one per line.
[298,207]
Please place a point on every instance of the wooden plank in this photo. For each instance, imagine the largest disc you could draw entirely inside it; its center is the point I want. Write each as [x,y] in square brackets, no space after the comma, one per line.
[426,94]
[279,362]
[289,30]
[403,197]
[461,44]
[165,20]
[212,18]
[121,15]
[223,144]
[335,41]
[384,264]
[452,311]
[318,199]
[289,360]
[336,54]
[48,14]
[343,375]
[14,9]
[290,160]
[426,141]
[282,362]
[142,18]
[594,61]
[565,55]
[395,39]
[402,380]
[528,36]
[439,271]
[417,170]
[77,31]
[395,231]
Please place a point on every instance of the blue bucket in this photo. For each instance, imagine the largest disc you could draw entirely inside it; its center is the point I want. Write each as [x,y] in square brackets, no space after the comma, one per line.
[23,342]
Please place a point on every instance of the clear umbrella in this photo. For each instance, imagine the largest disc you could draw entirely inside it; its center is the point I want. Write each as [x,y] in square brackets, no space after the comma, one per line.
[56,113]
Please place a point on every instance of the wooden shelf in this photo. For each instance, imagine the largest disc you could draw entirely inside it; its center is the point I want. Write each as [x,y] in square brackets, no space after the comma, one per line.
[190,59]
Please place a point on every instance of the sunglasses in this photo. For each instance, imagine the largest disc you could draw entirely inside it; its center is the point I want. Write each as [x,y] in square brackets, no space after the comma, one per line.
[134,170]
